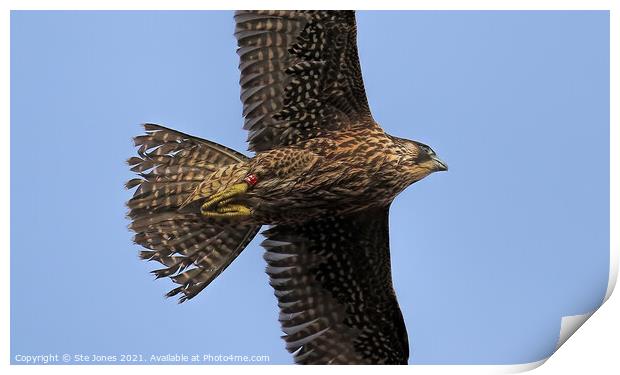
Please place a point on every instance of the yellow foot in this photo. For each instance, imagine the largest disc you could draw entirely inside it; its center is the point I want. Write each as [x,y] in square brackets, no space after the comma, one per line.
[219,205]
[230,210]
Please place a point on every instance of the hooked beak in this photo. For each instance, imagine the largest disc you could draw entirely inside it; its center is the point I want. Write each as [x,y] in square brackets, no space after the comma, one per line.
[439,165]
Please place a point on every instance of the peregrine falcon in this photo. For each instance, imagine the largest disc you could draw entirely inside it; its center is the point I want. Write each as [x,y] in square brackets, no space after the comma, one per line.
[323,177]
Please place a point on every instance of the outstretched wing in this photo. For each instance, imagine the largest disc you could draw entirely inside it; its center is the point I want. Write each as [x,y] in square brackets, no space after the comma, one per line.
[300,75]
[333,282]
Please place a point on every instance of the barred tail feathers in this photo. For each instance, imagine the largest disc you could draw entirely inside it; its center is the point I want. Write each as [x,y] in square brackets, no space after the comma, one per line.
[194,250]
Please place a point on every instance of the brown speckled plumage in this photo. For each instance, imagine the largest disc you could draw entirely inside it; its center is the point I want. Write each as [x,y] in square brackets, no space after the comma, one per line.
[324,176]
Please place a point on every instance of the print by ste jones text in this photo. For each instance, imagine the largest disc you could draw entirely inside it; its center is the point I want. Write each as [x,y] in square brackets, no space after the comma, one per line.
[170,358]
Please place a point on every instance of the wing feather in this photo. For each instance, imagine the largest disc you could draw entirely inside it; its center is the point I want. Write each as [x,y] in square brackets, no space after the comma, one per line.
[300,75]
[333,282]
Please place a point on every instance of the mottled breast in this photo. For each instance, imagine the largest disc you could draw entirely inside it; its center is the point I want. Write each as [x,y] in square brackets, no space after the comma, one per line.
[344,172]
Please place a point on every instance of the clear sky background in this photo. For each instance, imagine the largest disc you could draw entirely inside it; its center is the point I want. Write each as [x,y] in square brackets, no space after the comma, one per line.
[486,258]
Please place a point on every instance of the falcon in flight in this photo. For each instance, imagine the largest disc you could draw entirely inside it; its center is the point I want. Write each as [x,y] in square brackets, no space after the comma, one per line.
[323,177]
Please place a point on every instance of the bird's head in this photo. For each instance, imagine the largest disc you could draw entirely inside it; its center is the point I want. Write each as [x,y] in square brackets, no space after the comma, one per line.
[419,160]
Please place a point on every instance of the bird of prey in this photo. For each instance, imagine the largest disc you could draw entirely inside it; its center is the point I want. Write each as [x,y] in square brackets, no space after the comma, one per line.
[323,177]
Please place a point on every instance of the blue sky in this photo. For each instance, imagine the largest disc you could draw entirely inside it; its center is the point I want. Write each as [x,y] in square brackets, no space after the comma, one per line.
[486,257]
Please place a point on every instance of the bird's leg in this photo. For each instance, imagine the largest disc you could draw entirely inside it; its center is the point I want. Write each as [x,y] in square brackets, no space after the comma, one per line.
[220,204]
[228,210]
[224,196]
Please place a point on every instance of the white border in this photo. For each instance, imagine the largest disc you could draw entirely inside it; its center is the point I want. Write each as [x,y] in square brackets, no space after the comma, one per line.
[316,4]
[567,366]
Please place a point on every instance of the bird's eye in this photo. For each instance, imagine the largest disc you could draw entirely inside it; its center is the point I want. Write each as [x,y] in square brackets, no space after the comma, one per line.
[427,149]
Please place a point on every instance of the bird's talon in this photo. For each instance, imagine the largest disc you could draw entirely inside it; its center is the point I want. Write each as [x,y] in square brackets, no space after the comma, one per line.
[219,205]
[226,195]
[231,210]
